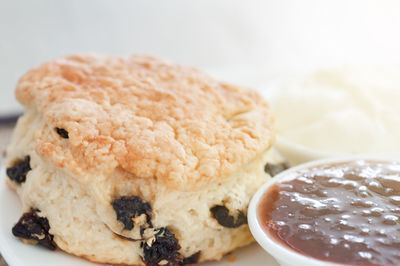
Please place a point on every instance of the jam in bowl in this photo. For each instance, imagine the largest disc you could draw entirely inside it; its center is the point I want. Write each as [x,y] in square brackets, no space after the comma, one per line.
[331,212]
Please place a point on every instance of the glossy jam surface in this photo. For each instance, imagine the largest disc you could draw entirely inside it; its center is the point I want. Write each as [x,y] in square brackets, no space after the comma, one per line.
[347,213]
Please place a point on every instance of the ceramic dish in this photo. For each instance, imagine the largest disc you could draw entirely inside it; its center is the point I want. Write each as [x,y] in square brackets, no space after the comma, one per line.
[283,254]
[297,154]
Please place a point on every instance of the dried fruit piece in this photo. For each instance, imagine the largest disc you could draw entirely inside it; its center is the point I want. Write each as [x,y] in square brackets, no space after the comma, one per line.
[274,169]
[129,209]
[163,250]
[18,172]
[192,259]
[35,228]
[221,214]
[62,132]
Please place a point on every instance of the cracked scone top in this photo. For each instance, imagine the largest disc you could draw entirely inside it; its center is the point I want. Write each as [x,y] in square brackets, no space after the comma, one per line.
[153,119]
[135,160]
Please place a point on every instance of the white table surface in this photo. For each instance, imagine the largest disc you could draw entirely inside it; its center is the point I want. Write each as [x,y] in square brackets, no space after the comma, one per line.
[199,33]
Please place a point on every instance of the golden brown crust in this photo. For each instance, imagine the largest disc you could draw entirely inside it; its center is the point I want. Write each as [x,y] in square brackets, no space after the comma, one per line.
[151,118]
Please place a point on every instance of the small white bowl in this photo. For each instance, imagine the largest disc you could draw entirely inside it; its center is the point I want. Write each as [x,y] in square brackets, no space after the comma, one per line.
[297,154]
[283,254]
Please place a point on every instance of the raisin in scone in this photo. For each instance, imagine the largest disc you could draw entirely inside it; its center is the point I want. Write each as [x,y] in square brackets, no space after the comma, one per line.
[135,160]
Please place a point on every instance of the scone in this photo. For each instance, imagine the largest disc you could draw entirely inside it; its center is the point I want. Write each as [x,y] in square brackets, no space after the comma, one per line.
[135,160]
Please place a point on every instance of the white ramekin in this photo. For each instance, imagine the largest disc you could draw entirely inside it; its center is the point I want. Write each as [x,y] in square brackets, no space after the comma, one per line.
[283,254]
[297,154]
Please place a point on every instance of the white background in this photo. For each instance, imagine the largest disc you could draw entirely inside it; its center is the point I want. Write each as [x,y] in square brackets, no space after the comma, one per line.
[204,33]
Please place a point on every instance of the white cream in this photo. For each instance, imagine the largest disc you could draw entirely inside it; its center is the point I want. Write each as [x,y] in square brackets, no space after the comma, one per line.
[352,110]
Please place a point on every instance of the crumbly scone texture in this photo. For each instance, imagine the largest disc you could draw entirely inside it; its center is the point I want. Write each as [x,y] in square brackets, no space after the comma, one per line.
[100,128]
[151,118]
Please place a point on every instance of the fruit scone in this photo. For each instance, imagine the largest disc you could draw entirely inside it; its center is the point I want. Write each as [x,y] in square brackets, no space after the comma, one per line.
[136,160]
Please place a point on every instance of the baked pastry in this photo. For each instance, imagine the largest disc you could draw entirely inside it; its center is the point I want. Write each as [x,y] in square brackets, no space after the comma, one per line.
[135,160]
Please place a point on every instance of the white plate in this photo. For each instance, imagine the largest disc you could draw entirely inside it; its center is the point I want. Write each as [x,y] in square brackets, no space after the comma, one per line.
[18,254]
